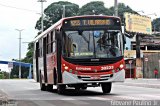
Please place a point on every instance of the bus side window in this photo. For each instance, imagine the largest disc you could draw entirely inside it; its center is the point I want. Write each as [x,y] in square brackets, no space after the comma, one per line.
[36,49]
[53,43]
[47,44]
[40,48]
[54,47]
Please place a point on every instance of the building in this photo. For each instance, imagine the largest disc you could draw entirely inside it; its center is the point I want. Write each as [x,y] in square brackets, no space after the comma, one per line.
[150,57]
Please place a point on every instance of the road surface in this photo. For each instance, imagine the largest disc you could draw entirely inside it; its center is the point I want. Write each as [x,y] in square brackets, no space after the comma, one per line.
[27,93]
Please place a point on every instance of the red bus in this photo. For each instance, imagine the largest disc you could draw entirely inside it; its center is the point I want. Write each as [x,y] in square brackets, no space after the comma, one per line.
[80,52]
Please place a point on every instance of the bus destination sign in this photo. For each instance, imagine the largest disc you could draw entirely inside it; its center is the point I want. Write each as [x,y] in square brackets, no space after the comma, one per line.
[90,22]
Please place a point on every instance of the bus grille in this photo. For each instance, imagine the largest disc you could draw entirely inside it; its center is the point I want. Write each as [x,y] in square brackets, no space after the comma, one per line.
[100,71]
[94,78]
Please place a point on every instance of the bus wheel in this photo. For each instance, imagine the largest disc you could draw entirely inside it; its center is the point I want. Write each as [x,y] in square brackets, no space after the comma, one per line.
[61,88]
[77,88]
[42,86]
[84,88]
[49,87]
[106,87]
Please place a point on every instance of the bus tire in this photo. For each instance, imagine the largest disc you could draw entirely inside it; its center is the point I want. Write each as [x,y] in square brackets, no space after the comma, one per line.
[77,88]
[49,87]
[61,89]
[106,87]
[42,86]
[55,77]
[84,88]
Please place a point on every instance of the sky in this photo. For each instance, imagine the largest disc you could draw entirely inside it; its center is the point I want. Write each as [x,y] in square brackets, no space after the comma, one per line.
[25,15]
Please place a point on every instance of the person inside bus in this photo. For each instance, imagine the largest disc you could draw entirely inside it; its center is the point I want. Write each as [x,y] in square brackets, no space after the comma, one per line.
[114,50]
[103,46]
[109,43]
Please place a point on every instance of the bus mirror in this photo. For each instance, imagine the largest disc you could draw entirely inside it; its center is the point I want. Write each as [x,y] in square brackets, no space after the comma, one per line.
[124,39]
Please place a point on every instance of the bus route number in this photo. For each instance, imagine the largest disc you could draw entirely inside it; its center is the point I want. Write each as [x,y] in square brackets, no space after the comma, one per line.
[107,68]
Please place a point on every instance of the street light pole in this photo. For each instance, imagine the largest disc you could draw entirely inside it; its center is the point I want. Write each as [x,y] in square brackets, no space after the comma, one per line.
[42,15]
[20,30]
[115,7]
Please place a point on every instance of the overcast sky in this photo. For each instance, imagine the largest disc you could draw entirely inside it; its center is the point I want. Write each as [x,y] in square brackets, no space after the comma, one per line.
[14,18]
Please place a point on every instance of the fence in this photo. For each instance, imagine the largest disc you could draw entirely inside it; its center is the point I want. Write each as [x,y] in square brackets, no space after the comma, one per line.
[150,62]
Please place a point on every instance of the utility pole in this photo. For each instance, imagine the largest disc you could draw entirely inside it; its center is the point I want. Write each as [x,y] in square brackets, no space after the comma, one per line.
[20,30]
[42,15]
[64,11]
[115,7]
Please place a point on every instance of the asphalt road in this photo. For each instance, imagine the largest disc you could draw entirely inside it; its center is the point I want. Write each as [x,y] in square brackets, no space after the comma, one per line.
[27,93]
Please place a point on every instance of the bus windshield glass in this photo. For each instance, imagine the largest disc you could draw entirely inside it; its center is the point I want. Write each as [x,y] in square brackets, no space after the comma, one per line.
[92,44]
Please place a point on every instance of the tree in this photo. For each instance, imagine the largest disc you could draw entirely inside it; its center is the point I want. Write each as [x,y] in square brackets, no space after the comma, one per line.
[27,59]
[15,72]
[156,24]
[54,11]
[4,75]
[94,8]
[29,54]
[122,8]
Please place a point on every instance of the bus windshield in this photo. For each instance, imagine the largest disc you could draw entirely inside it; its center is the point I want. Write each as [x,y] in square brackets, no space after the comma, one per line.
[92,44]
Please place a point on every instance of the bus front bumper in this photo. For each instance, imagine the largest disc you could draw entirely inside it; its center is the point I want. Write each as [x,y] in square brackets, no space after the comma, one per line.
[69,78]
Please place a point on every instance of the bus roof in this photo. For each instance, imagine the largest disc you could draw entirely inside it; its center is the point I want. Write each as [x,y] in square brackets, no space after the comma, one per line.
[59,23]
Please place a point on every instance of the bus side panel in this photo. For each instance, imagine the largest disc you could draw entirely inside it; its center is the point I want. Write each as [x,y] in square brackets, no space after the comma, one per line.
[35,76]
[50,68]
[41,68]
[35,62]
[44,60]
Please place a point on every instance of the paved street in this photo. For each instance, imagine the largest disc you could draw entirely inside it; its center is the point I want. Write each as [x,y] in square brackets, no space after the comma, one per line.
[27,93]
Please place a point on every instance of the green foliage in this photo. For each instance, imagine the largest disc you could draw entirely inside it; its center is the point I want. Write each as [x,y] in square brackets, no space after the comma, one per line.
[4,75]
[27,59]
[122,8]
[94,8]
[156,24]
[53,13]
[29,55]
[15,72]
[1,76]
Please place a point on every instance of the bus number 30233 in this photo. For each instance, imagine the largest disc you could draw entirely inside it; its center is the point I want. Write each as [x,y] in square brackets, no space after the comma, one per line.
[107,67]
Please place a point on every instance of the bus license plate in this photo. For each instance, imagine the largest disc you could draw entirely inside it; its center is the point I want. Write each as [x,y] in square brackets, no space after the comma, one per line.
[95,77]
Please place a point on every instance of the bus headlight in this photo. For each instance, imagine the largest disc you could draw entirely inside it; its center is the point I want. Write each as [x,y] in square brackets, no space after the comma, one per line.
[121,66]
[66,67]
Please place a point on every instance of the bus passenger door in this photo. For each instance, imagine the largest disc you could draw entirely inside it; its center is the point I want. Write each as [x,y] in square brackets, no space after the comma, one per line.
[59,48]
[36,57]
[44,59]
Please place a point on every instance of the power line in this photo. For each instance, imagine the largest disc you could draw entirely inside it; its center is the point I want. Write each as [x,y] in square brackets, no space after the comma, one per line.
[17,8]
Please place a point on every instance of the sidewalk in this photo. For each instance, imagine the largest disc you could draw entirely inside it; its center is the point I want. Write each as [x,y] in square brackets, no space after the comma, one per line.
[3,96]
[149,83]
